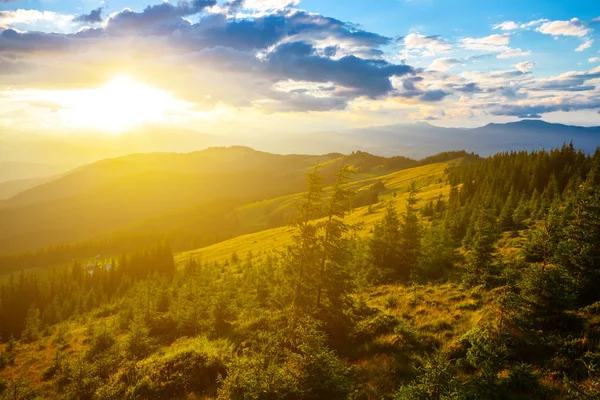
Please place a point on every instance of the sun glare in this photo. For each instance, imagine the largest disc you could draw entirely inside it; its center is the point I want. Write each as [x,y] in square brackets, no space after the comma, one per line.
[119,105]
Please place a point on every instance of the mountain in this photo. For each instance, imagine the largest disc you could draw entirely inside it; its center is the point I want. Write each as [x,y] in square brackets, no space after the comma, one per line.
[13,187]
[422,139]
[159,194]
[416,140]
[19,170]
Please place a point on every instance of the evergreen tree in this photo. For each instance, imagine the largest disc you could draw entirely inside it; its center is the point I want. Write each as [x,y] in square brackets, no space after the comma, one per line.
[481,252]
[384,245]
[333,279]
[31,333]
[409,236]
[580,251]
[303,256]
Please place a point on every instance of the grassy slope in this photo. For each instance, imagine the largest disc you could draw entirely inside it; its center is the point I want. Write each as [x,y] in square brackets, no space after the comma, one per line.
[430,180]
[439,314]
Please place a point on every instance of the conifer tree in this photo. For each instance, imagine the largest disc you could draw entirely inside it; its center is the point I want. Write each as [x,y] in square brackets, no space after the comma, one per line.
[384,245]
[333,279]
[481,251]
[303,255]
[580,251]
[409,236]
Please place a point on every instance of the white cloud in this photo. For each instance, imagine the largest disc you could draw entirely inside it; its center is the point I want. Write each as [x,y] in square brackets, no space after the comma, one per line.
[573,27]
[512,25]
[493,43]
[585,45]
[593,59]
[420,45]
[263,5]
[514,53]
[525,66]
[507,26]
[34,20]
[444,64]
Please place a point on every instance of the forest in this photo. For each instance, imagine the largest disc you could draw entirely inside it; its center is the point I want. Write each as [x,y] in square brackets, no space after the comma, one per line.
[480,282]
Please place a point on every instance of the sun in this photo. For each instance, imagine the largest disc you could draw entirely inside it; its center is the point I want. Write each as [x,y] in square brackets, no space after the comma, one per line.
[120,104]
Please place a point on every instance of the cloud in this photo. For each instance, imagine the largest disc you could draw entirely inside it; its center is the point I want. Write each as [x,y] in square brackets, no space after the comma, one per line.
[585,45]
[574,81]
[36,20]
[492,43]
[299,61]
[507,26]
[421,45]
[264,5]
[513,53]
[443,64]
[512,25]
[94,17]
[593,59]
[573,27]
[525,66]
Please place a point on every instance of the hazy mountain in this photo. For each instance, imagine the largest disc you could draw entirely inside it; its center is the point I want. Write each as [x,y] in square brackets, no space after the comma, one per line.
[11,188]
[18,170]
[412,140]
[422,139]
[108,196]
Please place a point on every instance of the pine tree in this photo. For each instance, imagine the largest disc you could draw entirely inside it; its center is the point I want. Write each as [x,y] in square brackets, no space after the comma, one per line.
[410,236]
[31,333]
[303,256]
[505,220]
[333,279]
[384,245]
[481,251]
[580,251]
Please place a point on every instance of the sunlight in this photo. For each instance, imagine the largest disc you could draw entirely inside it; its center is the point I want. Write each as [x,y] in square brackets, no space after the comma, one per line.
[120,104]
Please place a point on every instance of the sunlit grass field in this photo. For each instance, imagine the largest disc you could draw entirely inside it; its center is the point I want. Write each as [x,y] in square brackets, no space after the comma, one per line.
[430,181]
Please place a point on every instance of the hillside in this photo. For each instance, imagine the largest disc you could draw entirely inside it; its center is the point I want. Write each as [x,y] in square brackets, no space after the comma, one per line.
[466,279]
[430,179]
[190,198]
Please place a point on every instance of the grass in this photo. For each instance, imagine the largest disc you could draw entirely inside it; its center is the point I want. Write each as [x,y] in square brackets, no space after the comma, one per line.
[430,180]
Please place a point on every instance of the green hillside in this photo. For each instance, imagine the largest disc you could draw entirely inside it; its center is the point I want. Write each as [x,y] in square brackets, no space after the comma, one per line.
[474,278]
[430,180]
[192,199]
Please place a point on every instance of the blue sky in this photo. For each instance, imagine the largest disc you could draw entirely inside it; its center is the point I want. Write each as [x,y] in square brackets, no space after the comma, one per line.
[325,64]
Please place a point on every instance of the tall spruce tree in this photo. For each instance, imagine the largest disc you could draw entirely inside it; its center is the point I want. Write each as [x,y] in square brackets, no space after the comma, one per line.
[332,278]
[409,236]
[481,250]
[580,251]
[304,254]
[384,246]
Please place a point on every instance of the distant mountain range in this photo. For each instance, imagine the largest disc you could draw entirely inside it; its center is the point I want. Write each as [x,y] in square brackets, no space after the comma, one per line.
[34,152]
[422,139]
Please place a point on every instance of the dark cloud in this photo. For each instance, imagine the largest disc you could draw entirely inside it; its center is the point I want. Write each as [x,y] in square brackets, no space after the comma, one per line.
[12,41]
[298,61]
[471,87]
[433,95]
[159,19]
[94,17]
[574,82]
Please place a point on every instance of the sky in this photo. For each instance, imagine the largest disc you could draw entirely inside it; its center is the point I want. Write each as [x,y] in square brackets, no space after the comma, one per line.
[277,66]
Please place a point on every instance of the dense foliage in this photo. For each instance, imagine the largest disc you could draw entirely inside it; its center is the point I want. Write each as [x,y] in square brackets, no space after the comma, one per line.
[339,315]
